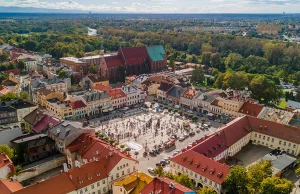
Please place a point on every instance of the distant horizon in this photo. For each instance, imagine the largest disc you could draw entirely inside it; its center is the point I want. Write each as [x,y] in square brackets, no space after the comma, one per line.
[35,10]
[157,6]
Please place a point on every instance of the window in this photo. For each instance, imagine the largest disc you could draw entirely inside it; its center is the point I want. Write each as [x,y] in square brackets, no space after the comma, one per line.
[98,184]
[284,143]
[289,144]
[81,191]
[255,135]
[123,173]
[104,189]
[279,142]
[99,191]
[294,146]
[128,170]
[112,178]
[264,137]
[272,139]
[86,189]
[268,138]
[117,175]
[103,181]
[92,186]
[259,136]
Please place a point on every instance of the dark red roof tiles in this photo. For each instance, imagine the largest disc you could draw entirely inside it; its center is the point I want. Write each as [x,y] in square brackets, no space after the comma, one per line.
[251,109]
[77,104]
[134,55]
[113,61]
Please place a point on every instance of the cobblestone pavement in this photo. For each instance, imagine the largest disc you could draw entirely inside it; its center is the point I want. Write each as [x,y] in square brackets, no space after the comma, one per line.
[148,133]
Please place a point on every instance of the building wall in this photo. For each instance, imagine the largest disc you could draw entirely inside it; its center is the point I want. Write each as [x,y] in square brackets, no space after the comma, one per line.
[197,178]
[275,143]
[30,66]
[152,89]
[122,169]
[40,169]
[24,111]
[98,187]
[235,148]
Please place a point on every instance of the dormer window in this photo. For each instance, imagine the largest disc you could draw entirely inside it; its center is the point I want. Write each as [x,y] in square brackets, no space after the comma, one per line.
[220,174]
[197,165]
[204,168]
[212,171]
[183,159]
[190,161]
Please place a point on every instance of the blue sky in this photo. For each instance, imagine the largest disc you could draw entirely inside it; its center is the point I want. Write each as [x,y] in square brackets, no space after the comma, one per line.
[164,6]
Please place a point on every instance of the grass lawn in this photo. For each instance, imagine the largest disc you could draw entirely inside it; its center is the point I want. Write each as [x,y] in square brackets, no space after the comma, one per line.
[282,104]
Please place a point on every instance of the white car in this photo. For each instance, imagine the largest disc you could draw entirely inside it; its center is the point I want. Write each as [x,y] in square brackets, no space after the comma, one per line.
[151,170]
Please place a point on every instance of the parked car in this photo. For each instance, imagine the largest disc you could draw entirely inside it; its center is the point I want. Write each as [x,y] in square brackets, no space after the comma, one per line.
[186,135]
[182,138]
[153,153]
[200,115]
[174,136]
[151,170]
[198,130]
[192,133]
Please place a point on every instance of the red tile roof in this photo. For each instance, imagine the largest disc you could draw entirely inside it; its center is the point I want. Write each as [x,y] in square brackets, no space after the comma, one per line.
[202,165]
[101,87]
[235,130]
[113,61]
[162,184]
[14,71]
[212,145]
[251,109]
[60,184]
[8,186]
[88,173]
[46,121]
[89,147]
[134,55]
[77,104]
[116,93]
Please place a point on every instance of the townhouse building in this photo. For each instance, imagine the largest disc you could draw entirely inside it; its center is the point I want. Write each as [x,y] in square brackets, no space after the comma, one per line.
[79,109]
[133,95]
[96,102]
[174,94]
[60,109]
[45,94]
[87,148]
[66,132]
[118,98]
[163,89]
[30,64]
[232,106]
[187,97]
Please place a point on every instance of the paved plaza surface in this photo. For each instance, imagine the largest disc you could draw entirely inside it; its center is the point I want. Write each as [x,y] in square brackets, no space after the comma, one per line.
[149,129]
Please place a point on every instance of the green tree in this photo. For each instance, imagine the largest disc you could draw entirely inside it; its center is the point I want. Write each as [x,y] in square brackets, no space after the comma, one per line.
[205,57]
[264,89]
[184,180]
[236,181]
[4,57]
[198,75]
[234,61]
[21,65]
[297,97]
[92,69]
[159,171]
[238,81]
[30,45]
[3,67]
[3,77]
[7,150]
[169,175]
[11,66]
[276,185]
[206,48]
[206,190]
[23,95]
[258,172]
[62,74]
[172,64]
[215,60]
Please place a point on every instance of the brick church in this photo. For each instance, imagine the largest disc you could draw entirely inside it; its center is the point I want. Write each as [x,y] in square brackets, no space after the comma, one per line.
[136,60]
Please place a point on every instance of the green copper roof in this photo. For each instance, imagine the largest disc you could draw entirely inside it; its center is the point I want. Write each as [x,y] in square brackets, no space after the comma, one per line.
[156,52]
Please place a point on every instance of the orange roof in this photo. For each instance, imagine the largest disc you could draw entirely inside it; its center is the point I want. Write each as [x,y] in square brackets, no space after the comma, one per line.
[4,90]
[101,87]
[8,186]
[116,93]
[60,184]
[251,109]
[189,93]
[77,104]
[5,161]
[202,165]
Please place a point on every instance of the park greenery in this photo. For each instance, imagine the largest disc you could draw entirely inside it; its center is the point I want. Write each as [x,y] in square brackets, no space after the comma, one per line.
[256,179]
